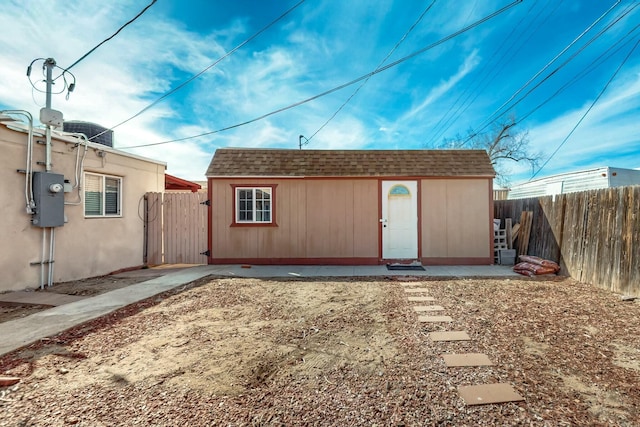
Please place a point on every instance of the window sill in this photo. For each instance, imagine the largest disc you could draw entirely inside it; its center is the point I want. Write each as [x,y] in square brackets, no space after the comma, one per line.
[253,224]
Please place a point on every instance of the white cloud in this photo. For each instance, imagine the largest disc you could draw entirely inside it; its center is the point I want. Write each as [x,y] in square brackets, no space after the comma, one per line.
[606,137]
[436,92]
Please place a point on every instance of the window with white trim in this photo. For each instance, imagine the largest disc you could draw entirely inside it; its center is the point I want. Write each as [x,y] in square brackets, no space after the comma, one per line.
[102,195]
[254,205]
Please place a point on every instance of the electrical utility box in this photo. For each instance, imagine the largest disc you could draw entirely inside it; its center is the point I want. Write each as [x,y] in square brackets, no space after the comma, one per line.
[48,195]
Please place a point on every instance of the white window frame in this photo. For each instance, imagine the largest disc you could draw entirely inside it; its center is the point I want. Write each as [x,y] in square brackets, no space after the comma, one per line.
[102,187]
[254,207]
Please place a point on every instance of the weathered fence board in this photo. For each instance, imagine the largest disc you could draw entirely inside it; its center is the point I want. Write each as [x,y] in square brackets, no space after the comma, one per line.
[153,226]
[180,233]
[593,235]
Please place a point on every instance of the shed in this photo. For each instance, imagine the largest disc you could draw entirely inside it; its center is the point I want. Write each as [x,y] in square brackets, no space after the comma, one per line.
[351,207]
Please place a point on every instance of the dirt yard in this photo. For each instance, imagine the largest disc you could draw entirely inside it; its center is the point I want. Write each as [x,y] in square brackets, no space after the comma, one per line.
[249,352]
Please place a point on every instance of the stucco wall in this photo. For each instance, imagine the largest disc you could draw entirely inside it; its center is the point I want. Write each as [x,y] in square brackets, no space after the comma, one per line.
[338,220]
[84,247]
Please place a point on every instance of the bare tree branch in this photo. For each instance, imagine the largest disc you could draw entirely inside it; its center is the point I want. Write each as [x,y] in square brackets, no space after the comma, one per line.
[504,144]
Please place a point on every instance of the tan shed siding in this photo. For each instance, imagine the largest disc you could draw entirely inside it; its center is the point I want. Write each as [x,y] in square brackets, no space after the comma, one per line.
[221,199]
[329,218]
[434,218]
[315,219]
[286,240]
[342,218]
[366,226]
[455,214]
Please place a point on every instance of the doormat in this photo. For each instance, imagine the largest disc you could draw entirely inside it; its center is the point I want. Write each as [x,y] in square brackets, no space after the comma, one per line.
[405,267]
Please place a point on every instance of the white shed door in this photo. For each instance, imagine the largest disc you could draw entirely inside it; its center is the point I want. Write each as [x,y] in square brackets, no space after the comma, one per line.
[399,220]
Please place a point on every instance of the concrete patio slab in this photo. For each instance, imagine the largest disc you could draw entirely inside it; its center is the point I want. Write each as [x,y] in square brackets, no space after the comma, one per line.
[268,271]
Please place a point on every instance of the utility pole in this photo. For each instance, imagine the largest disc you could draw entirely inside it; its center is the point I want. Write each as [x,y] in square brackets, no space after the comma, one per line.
[49,63]
[48,116]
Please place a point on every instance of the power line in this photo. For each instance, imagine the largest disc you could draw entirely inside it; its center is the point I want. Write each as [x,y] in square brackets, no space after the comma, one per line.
[493,116]
[588,110]
[66,70]
[195,76]
[588,69]
[112,36]
[490,70]
[555,58]
[355,92]
[342,86]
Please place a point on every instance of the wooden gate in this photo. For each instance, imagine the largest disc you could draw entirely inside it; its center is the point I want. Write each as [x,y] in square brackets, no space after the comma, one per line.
[176,228]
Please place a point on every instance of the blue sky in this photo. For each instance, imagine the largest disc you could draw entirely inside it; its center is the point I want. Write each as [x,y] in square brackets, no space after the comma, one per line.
[435,95]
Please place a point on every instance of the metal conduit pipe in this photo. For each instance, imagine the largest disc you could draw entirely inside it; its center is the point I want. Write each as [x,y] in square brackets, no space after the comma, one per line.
[28,189]
[44,239]
[52,248]
[79,167]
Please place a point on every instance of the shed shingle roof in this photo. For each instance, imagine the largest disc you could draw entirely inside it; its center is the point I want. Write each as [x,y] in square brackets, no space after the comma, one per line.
[248,162]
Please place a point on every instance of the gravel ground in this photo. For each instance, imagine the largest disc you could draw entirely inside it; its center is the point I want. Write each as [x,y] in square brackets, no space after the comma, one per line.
[248,352]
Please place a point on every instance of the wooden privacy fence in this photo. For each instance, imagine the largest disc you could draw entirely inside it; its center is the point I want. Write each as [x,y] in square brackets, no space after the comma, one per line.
[176,228]
[593,235]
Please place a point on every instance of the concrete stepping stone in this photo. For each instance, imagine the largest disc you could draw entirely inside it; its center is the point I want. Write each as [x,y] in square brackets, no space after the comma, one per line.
[434,319]
[489,393]
[421,299]
[423,308]
[407,284]
[416,290]
[449,336]
[466,359]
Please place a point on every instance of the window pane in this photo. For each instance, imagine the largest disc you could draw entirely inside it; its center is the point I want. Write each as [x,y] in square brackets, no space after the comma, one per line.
[263,205]
[92,203]
[92,195]
[253,204]
[112,196]
[245,204]
[102,195]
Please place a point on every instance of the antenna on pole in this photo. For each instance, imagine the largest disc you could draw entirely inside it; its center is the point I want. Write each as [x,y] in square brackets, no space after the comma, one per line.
[300,144]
